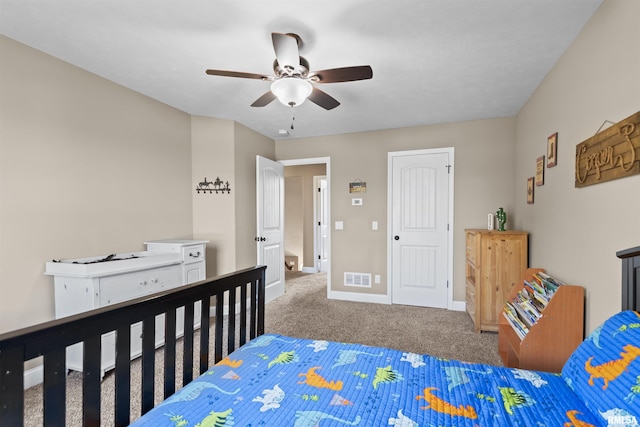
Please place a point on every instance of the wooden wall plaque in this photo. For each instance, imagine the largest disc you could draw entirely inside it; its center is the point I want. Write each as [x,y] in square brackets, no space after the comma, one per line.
[611,154]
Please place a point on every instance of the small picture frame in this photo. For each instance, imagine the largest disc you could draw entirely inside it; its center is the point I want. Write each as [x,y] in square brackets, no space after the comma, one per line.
[530,190]
[540,171]
[358,187]
[552,150]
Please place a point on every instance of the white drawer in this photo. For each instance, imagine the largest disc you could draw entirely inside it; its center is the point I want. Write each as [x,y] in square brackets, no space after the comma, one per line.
[193,253]
[123,287]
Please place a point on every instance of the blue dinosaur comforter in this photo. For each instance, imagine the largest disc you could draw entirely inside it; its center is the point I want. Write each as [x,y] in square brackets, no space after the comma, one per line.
[281,381]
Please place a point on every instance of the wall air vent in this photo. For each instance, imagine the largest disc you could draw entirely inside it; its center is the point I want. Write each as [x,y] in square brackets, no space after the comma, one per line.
[359,280]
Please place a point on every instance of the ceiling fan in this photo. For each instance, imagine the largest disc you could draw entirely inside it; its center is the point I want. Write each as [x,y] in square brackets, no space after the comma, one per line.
[292,82]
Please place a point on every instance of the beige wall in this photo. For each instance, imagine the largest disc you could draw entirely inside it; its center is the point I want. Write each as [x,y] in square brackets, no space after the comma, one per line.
[576,232]
[293,220]
[226,149]
[87,168]
[214,214]
[484,169]
[303,216]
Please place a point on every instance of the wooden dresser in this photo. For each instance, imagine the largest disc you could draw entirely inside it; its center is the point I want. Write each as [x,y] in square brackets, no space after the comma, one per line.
[495,261]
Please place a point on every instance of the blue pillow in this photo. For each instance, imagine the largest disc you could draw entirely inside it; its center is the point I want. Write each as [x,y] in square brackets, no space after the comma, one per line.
[604,371]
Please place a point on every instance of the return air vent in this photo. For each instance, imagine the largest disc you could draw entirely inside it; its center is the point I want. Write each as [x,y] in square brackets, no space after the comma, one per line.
[359,280]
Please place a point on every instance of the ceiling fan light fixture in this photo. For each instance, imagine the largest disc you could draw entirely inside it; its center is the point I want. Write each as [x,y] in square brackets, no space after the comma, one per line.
[291,91]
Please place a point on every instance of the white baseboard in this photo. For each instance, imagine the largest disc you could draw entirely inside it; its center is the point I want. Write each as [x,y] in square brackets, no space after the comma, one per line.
[33,376]
[382,299]
[358,297]
[458,306]
[225,309]
[309,270]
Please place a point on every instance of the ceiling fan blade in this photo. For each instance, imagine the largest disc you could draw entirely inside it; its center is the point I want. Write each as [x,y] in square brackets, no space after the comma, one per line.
[264,99]
[286,48]
[323,99]
[344,74]
[238,74]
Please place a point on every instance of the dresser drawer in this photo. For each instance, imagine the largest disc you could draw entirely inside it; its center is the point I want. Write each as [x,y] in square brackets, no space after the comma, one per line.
[471,309]
[471,247]
[123,287]
[470,292]
[471,299]
[193,253]
[471,289]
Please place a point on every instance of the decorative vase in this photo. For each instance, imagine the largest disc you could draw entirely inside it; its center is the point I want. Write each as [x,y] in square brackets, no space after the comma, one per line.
[501,216]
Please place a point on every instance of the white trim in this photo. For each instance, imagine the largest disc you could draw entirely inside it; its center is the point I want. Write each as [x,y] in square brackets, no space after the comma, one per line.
[327,163]
[308,161]
[390,155]
[309,269]
[458,306]
[360,297]
[33,376]
[225,308]
[452,172]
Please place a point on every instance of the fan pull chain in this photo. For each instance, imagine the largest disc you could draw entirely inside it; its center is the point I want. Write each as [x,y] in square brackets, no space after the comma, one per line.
[293,116]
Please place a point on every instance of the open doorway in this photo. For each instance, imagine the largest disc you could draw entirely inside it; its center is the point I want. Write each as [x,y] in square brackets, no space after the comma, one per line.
[307,217]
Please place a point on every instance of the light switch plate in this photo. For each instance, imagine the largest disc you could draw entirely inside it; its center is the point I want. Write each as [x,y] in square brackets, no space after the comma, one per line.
[339,225]
[356,202]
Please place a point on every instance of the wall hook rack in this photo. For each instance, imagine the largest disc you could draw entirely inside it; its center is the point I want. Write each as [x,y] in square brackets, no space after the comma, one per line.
[217,186]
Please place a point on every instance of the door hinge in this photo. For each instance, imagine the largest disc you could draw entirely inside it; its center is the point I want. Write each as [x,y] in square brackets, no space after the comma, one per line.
[447,284]
[319,189]
[319,257]
[448,168]
[447,227]
[319,223]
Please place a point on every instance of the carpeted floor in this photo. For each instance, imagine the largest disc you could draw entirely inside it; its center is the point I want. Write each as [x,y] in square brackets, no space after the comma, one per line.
[304,311]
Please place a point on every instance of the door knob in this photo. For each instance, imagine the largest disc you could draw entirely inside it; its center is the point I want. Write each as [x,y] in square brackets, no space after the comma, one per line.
[396,237]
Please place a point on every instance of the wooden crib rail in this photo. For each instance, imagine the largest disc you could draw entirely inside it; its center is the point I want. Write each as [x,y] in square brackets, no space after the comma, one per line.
[51,339]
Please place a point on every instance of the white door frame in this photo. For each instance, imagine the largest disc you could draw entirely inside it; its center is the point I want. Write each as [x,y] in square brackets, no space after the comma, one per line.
[327,162]
[390,155]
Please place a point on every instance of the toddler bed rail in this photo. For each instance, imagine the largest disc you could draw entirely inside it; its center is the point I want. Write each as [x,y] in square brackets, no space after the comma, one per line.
[51,339]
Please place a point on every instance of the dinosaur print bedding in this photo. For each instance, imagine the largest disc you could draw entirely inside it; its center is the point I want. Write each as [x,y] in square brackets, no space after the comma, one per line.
[283,381]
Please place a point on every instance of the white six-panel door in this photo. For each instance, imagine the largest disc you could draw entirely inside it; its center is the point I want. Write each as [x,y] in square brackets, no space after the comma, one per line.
[270,227]
[419,235]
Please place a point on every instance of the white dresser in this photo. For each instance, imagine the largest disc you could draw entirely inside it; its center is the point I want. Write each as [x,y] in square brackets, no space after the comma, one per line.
[193,268]
[192,255]
[83,284]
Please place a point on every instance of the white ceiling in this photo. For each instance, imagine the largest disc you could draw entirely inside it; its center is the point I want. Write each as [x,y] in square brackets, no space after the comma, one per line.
[433,61]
